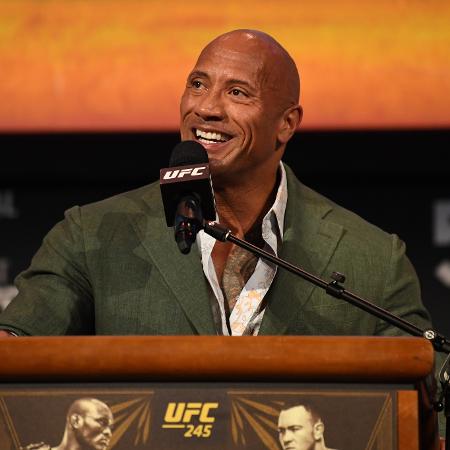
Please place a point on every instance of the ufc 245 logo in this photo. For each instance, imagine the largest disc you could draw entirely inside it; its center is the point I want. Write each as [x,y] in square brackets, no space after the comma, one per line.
[180,173]
[195,417]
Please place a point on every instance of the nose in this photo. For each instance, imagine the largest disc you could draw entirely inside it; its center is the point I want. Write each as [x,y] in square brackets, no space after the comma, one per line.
[287,437]
[107,432]
[211,107]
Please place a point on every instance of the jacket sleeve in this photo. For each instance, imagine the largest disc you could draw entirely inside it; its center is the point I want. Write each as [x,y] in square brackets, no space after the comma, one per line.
[402,297]
[401,293]
[55,295]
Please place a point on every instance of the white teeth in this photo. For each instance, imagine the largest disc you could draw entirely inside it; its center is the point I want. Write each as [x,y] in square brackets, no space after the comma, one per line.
[211,136]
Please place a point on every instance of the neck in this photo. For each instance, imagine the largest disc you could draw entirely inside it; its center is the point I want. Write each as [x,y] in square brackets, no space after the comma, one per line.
[68,443]
[320,445]
[242,206]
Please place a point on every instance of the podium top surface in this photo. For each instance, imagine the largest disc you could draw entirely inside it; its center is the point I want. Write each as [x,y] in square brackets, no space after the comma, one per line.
[191,358]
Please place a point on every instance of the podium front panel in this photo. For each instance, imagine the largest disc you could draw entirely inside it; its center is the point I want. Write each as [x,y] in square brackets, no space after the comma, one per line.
[203,416]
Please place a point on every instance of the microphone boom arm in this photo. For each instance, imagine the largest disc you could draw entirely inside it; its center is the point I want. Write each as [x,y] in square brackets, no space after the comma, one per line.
[333,288]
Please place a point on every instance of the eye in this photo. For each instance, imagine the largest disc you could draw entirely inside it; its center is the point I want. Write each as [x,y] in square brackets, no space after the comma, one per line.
[237,92]
[196,84]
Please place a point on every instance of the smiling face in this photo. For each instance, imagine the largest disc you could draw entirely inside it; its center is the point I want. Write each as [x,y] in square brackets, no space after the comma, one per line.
[235,104]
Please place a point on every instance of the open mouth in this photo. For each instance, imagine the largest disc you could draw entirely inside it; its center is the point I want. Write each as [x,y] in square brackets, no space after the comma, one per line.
[211,137]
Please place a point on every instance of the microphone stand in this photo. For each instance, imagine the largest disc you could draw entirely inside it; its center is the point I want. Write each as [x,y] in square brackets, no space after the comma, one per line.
[335,289]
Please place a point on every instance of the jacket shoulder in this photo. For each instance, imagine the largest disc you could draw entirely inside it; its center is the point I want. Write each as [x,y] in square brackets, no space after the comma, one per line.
[137,200]
[324,209]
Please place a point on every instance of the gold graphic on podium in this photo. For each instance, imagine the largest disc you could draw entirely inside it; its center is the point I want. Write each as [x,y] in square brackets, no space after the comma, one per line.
[131,412]
[255,415]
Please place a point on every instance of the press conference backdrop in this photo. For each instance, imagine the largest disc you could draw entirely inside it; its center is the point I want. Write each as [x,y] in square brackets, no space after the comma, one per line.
[398,180]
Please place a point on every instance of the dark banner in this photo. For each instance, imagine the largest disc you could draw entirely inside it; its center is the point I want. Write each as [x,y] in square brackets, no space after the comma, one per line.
[397,180]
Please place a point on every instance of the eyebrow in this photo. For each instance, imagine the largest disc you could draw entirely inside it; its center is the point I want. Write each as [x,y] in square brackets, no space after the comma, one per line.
[199,73]
[240,82]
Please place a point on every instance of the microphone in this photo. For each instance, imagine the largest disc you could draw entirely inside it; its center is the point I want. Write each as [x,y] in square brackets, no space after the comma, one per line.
[186,192]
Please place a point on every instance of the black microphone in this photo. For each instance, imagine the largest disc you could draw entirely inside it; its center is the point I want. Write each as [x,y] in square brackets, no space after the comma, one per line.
[186,191]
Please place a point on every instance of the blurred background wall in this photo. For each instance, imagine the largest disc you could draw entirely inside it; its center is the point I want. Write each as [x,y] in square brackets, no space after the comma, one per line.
[89,98]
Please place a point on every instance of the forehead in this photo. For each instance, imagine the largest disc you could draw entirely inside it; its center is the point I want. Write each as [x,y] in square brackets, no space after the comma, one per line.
[223,62]
[294,416]
[98,410]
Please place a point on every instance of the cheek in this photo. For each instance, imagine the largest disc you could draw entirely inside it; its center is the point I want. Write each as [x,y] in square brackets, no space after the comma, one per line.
[259,126]
[185,104]
[94,432]
[250,128]
[184,126]
[300,436]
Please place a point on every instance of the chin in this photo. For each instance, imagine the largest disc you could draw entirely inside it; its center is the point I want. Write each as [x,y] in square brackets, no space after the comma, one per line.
[219,173]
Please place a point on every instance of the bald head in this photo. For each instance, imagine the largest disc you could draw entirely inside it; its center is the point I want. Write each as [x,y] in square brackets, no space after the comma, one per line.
[84,406]
[89,423]
[278,70]
[241,104]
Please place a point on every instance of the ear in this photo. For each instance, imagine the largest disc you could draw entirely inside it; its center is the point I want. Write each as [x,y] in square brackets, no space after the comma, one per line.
[289,123]
[318,430]
[75,421]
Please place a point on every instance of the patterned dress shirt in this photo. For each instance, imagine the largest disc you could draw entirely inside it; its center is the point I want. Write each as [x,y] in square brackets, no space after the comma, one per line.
[247,313]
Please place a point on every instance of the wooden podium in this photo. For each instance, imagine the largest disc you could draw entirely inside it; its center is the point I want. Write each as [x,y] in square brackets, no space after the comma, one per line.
[253,375]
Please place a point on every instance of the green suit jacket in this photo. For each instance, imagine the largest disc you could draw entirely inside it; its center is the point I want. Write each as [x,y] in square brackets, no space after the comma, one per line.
[113,267]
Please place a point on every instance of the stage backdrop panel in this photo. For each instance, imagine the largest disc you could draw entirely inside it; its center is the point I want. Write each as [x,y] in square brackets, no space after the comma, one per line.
[104,65]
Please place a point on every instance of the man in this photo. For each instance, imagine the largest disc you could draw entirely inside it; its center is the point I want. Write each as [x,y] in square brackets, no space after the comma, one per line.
[88,427]
[113,267]
[301,428]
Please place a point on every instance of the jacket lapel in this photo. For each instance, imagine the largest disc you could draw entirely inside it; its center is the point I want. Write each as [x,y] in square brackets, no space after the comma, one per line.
[182,273]
[309,242]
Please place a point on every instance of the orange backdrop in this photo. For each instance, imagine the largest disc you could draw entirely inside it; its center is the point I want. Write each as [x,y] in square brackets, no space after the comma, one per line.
[121,65]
